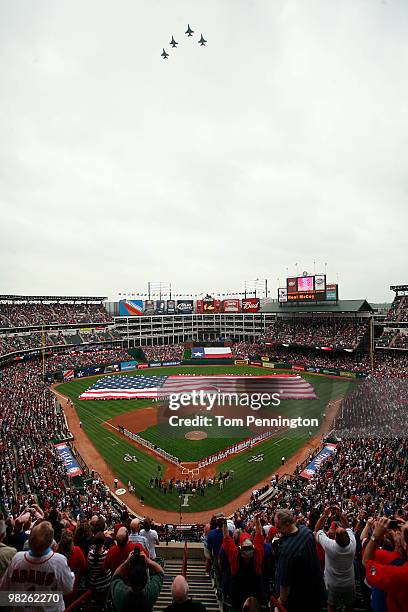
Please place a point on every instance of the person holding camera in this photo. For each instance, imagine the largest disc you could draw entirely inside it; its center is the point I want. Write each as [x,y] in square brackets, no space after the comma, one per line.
[380,573]
[339,559]
[136,584]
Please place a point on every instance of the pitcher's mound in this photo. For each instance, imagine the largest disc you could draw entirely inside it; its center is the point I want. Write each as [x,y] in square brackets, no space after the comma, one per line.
[196,435]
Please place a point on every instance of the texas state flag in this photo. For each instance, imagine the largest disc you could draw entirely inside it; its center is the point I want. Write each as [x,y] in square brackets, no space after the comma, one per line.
[213,352]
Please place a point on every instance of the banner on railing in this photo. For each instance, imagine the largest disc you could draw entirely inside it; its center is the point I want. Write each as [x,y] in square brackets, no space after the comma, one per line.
[316,462]
[70,463]
[239,447]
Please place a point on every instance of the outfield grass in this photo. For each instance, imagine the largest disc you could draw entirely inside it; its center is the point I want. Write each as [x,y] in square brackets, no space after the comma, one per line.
[247,472]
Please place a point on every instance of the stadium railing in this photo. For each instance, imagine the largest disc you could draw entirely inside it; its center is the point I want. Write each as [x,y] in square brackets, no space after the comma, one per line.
[184,567]
[81,600]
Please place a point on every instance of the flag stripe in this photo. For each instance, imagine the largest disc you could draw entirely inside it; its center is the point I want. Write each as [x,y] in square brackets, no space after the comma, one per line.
[291,386]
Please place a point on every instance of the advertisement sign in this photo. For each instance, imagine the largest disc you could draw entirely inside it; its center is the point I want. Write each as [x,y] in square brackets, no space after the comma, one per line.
[292,285]
[332,293]
[68,374]
[142,366]
[230,305]
[208,306]
[320,282]
[68,459]
[305,283]
[250,305]
[298,368]
[184,307]
[282,295]
[114,367]
[155,364]
[241,362]
[160,307]
[131,308]
[199,306]
[316,462]
[301,297]
[128,365]
[268,364]
[172,363]
[92,371]
[171,307]
[149,307]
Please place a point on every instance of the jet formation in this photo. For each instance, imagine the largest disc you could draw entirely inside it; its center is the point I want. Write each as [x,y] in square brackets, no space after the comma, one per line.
[173,43]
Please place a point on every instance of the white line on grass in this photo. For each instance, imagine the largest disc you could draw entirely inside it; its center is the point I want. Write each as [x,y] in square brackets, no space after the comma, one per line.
[279,441]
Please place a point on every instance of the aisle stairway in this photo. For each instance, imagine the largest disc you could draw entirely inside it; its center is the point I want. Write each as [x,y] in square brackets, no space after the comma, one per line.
[201,588]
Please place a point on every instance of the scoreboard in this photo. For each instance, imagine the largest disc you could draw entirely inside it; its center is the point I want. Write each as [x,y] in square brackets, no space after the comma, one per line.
[308,288]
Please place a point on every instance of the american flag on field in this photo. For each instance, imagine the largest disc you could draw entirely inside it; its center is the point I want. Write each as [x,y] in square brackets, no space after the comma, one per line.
[289,386]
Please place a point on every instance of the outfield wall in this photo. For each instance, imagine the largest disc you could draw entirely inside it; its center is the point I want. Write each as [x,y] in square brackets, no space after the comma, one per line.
[116,367]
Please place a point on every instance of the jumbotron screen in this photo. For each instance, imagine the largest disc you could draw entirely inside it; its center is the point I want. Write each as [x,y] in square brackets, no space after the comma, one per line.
[308,288]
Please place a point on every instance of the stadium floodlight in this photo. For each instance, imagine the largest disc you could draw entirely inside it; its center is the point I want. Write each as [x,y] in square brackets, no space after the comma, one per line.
[158,289]
[257,285]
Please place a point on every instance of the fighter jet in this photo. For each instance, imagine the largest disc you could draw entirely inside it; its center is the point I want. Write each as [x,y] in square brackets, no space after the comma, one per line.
[202,41]
[189,31]
[173,43]
[164,55]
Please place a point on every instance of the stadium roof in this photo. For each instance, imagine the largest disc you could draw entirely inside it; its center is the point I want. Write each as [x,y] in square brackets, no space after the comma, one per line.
[50,298]
[397,288]
[340,306]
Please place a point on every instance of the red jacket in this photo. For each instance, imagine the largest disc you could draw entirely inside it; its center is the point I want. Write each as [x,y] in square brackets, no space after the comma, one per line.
[391,579]
[232,553]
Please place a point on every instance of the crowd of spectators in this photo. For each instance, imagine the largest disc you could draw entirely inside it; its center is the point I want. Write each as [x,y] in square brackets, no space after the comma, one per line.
[399,309]
[386,364]
[30,422]
[285,545]
[375,407]
[10,343]
[334,332]
[81,359]
[363,479]
[36,313]
[167,352]
[393,338]
[244,350]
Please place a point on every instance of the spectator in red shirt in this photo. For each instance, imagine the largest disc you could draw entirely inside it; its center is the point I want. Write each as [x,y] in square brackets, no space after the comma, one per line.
[245,560]
[76,562]
[119,552]
[391,579]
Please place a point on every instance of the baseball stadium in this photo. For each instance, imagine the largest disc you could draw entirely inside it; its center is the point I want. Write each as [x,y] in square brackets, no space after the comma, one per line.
[204,306]
[95,380]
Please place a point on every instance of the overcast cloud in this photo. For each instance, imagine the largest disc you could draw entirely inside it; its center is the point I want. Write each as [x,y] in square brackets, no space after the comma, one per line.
[283,141]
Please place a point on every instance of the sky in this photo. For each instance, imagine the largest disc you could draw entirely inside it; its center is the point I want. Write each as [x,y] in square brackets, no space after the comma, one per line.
[280,146]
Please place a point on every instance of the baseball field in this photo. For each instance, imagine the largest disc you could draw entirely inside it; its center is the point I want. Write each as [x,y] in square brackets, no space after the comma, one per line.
[131,462]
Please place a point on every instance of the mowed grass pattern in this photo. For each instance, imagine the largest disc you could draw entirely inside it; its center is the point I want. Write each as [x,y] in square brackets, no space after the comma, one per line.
[247,472]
